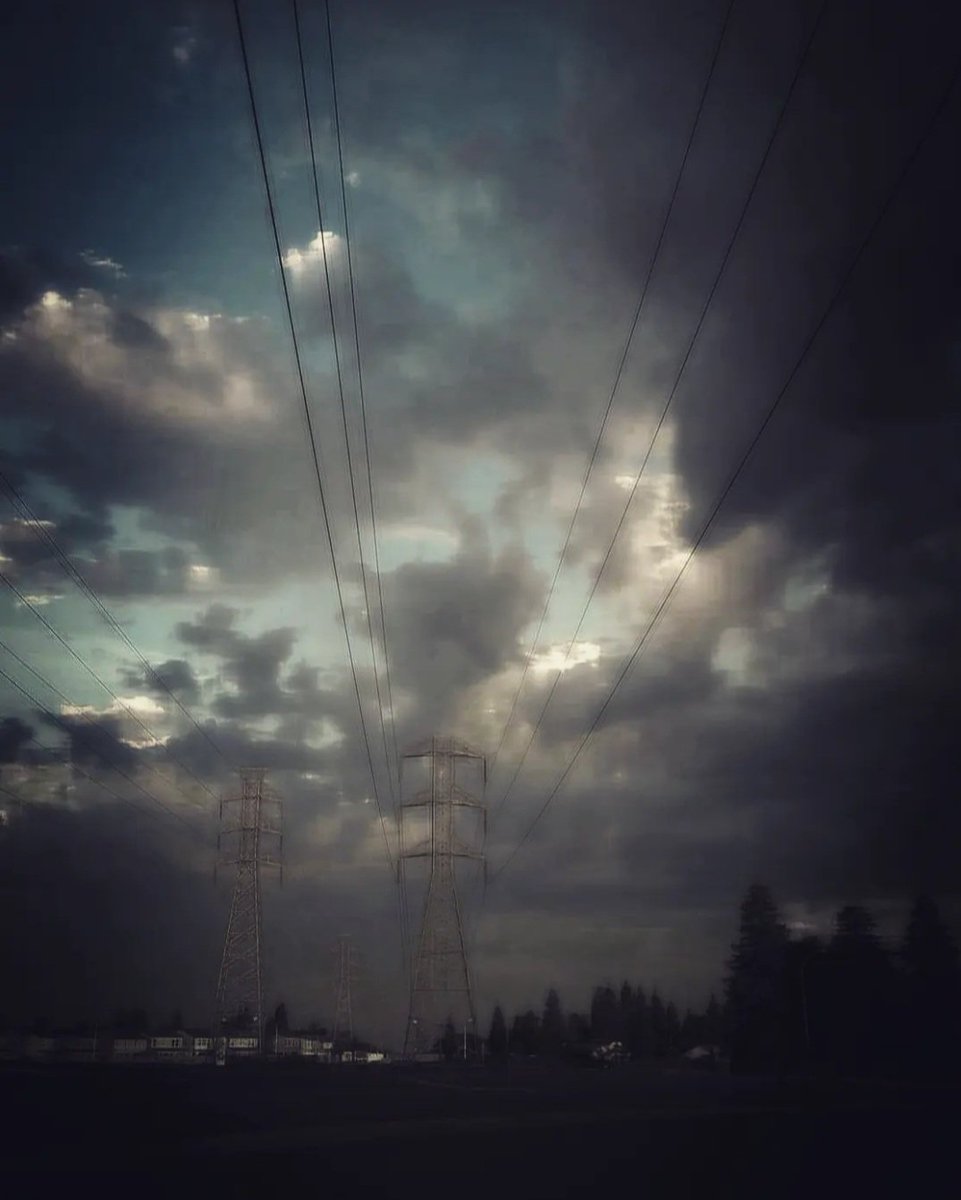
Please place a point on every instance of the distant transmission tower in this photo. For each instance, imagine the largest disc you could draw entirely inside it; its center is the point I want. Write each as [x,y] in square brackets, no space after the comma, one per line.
[251,837]
[344,1012]
[440,979]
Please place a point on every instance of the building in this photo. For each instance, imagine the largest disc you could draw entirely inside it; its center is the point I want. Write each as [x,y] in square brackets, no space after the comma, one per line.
[287,1044]
[202,1044]
[316,1045]
[242,1045]
[172,1044]
[128,1047]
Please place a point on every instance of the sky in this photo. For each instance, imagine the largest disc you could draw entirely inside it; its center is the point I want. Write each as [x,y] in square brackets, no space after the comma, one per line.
[507,170]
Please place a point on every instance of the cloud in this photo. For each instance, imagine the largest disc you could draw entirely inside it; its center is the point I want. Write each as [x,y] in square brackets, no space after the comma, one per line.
[256,677]
[103,263]
[175,675]
[190,422]
[789,718]
[123,573]
[326,245]
[14,734]
[454,624]
[185,42]
[115,354]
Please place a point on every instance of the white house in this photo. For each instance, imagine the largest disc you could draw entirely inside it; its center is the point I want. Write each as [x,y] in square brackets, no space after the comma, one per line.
[241,1044]
[315,1045]
[288,1043]
[203,1043]
[129,1047]
[171,1045]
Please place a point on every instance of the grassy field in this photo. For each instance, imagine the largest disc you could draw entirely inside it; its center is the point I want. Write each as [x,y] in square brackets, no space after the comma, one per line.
[525,1131]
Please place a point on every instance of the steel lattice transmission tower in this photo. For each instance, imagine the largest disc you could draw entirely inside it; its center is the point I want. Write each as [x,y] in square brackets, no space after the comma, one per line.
[251,838]
[344,1011]
[440,978]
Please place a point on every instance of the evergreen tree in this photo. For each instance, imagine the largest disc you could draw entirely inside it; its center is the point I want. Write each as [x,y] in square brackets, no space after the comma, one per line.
[525,1033]
[497,1039]
[659,1030]
[625,1011]
[755,985]
[552,1024]
[672,1029]
[860,980]
[281,1023]
[932,990]
[713,1027]
[807,1003]
[604,1015]
[691,1026]
[578,1029]
[177,1019]
[640,1039]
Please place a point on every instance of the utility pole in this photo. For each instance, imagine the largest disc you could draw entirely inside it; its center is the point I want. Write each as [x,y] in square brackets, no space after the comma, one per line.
[344,1013]
[440,979]
[251,837]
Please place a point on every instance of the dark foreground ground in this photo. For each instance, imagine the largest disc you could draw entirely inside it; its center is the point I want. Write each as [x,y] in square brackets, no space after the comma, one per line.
[526,1131]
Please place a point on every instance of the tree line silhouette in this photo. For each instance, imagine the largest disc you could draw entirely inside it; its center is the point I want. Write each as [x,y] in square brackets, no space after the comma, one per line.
[846,1005]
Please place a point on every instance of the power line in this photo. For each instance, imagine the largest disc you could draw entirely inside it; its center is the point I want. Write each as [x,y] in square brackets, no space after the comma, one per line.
[24,600]
[69,567]
[732,241]
[72,732]
[402,884]
[655,255]
[310,427]
[360,386]
[340,389]
[705,528]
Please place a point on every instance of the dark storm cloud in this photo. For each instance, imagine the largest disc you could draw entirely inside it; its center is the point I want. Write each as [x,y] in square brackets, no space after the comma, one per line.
[27,272]
[140,573]
[24,546]
[251,663]
[831,768]
[832,778]
[258,667]
[751,792]
[861,463]
[14,735]
[175,675]
[458,622]
[849,773]
[883,374]
[175,422]
[95,741]
[110,572]
[471,375]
